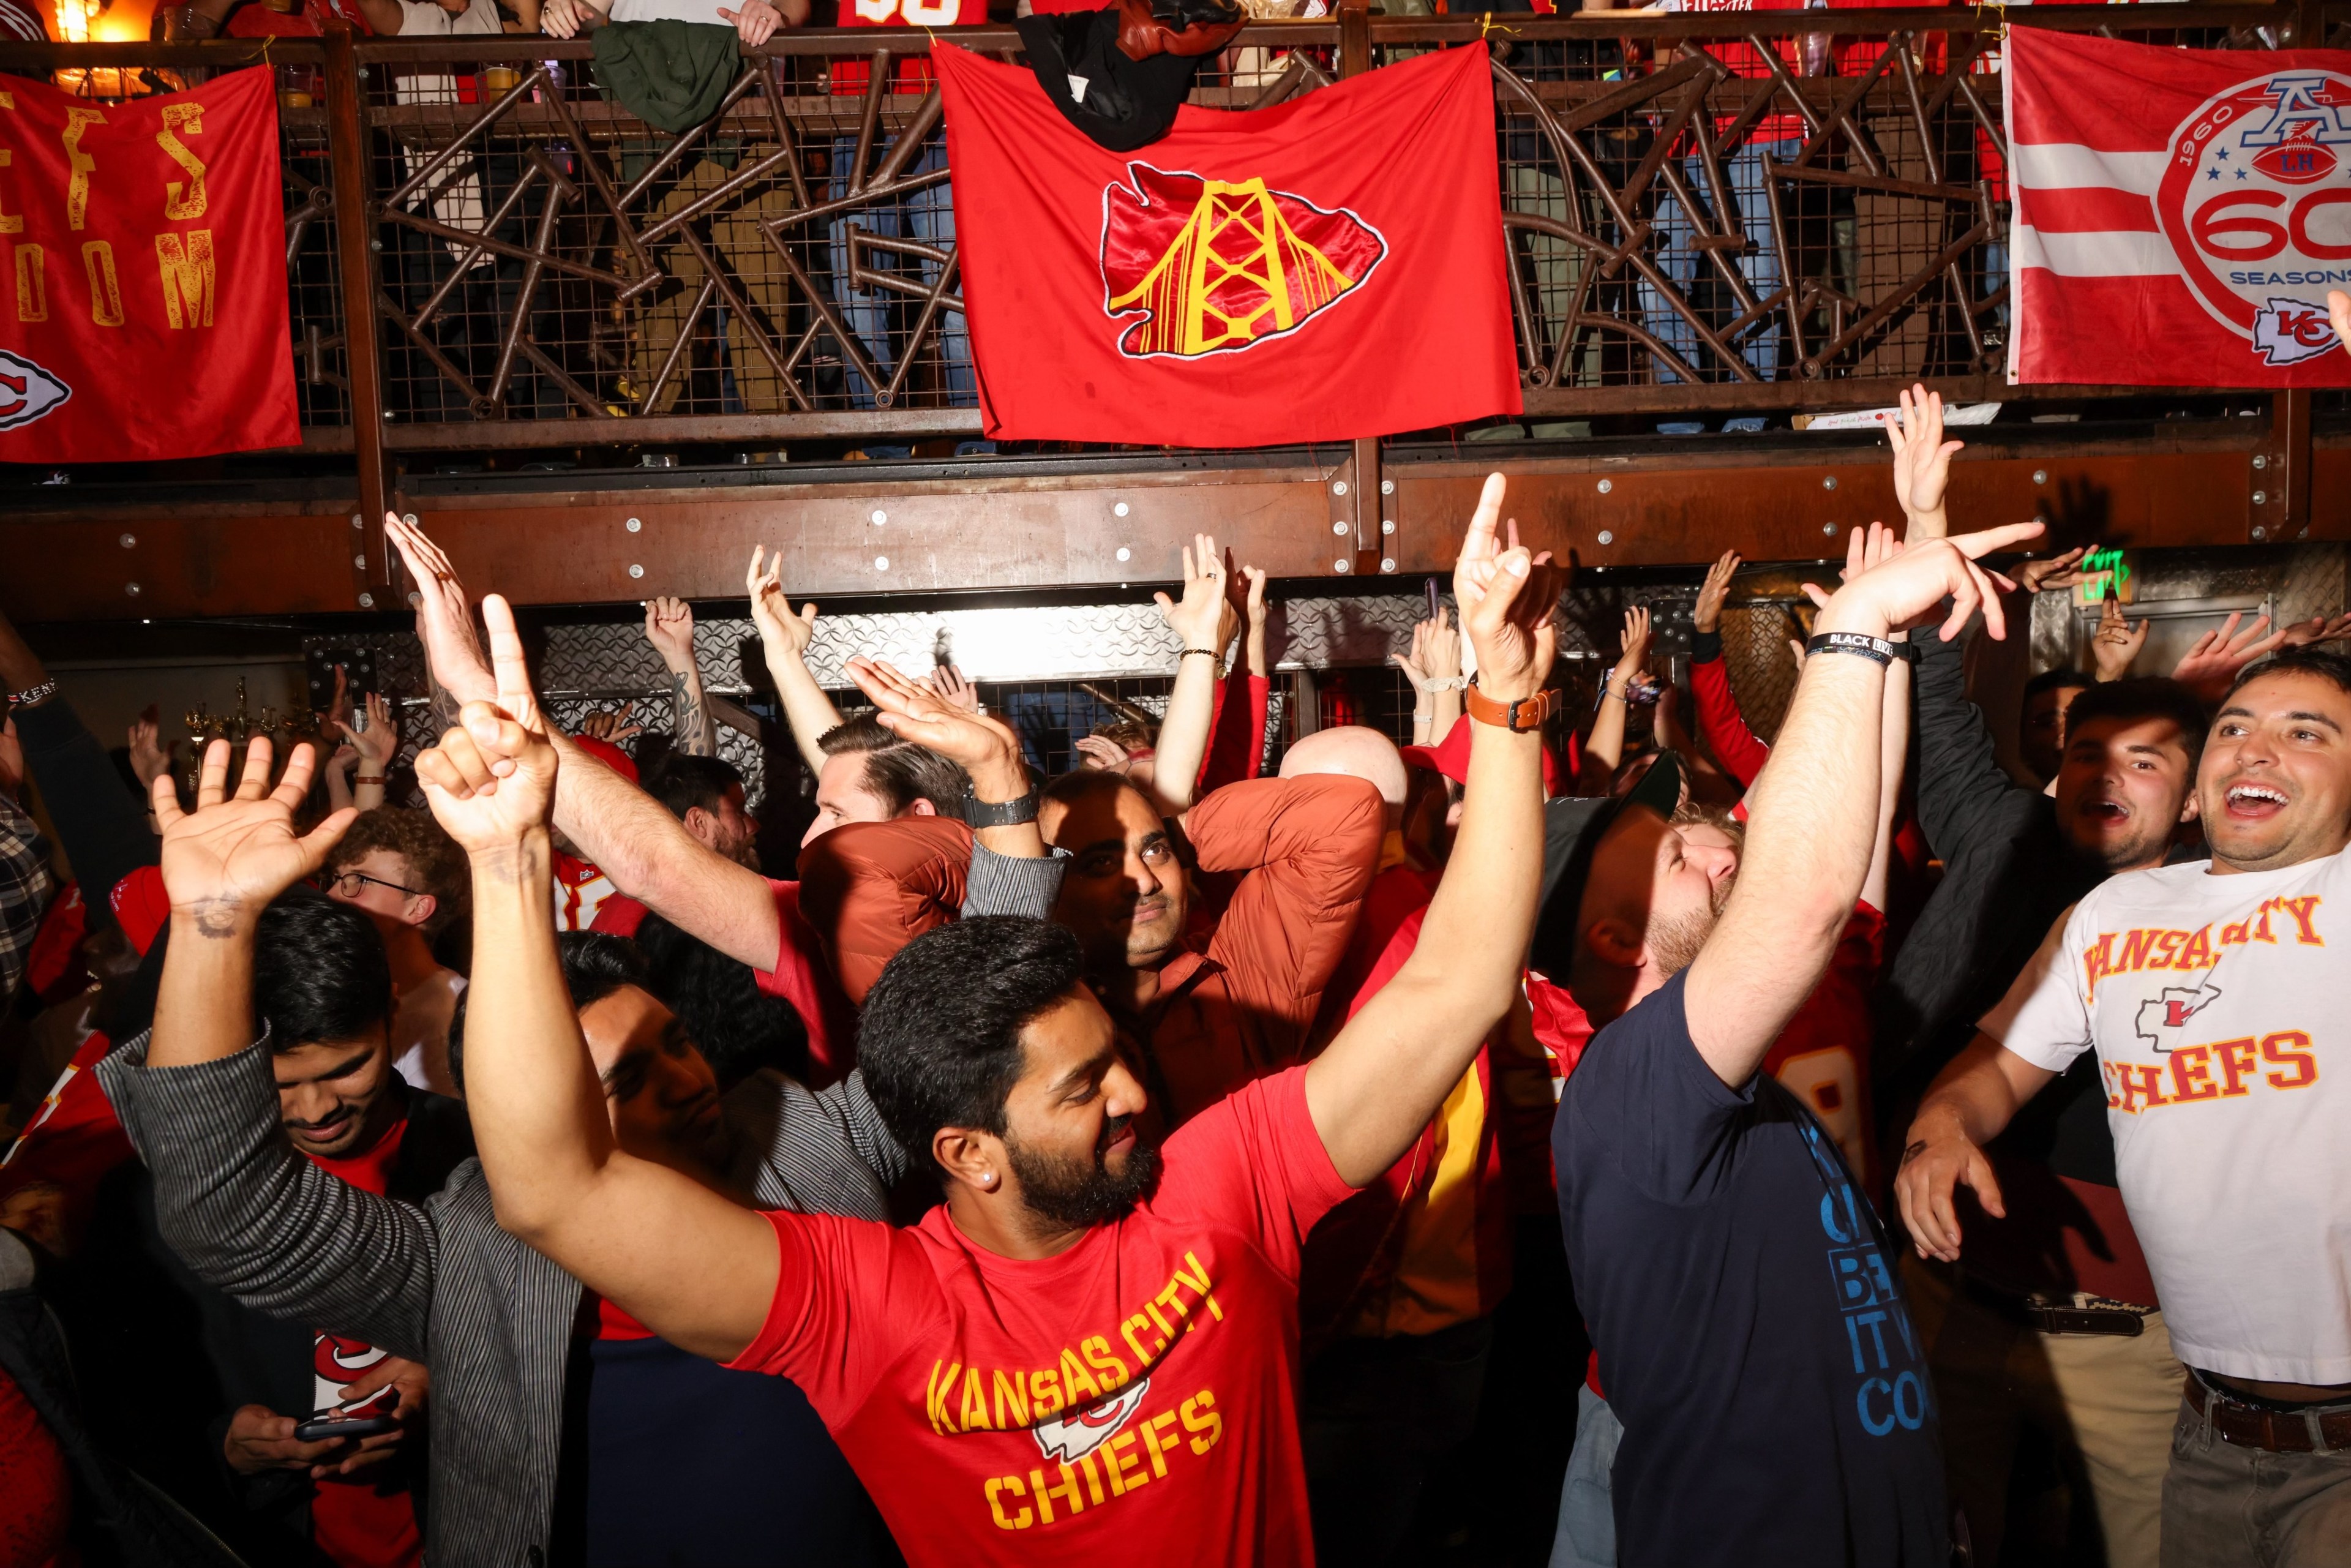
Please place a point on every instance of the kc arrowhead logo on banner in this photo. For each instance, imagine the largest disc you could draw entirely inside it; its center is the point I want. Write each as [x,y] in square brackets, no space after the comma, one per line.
[1328,268]
[2180,214]
[142,274]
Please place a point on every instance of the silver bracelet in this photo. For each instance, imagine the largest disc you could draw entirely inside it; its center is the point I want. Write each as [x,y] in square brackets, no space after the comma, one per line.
[1449,684]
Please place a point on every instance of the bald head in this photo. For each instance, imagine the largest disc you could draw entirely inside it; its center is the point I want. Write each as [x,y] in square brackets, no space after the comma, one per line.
[1357,751]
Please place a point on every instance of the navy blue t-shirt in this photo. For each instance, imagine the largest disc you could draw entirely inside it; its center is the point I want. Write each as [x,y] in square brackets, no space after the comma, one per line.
[1742,1298]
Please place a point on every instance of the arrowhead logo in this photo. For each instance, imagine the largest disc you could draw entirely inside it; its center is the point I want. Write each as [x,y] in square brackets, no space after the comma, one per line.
[2161,1019]
[27,392]
[1079,1433]
[1215,266]
[2288,332]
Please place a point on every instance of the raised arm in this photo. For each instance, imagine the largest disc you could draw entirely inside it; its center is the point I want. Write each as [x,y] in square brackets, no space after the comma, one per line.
[1739,750]
[1236,731]
[1606,748]
[99,824]
[1922,462]
[247,1212]
[1813,812]
[669,627]
[1374,1087]
[697,1268]
[784,641]
[625,832]
[1204,620]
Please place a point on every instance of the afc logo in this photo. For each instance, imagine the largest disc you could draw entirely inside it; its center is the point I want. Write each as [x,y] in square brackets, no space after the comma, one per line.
[2255,201]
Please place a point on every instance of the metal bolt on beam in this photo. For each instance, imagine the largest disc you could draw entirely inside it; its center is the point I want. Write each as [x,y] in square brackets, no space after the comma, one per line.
[1338,487]
[2260,460]
[1340,564]
[360,562]
[633,523]
[1387,525]
[1387,487]
[2040,476]
[1606,537]
[367,600]
[129,541]
[357,521]
[2260,533]
[131,589]
[410,518]
[1607,485]
[880,563]
[1124,553]
[880,517]
[1387,563]
[1829,483]
[636,570]
[2261,497]
[1119,510]
[1338,528]
[1829,529]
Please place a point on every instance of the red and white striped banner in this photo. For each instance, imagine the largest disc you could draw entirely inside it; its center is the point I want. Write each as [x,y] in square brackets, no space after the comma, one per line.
[2180,214]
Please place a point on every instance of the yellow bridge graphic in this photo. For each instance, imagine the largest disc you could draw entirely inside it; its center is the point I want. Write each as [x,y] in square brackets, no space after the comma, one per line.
[1270,270]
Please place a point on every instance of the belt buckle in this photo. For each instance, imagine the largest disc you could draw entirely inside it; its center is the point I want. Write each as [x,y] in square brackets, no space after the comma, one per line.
[2075,1320]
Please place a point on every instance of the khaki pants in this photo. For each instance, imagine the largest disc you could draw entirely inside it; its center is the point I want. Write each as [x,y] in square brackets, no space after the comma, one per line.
[743,249]
[2227,1507]
[2107,1403]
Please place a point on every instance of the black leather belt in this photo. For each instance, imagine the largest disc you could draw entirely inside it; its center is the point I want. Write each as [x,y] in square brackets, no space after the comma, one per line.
[2307,1431]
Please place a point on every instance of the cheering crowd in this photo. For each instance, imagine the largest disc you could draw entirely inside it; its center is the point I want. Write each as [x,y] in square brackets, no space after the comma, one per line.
[1165,1163]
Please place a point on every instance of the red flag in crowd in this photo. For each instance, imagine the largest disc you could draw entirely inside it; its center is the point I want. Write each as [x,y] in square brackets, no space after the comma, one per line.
[2180,214]
[142,274]
[1328,268]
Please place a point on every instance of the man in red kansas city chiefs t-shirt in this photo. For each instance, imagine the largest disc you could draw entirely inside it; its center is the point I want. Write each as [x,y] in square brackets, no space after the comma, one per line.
[1091,1346]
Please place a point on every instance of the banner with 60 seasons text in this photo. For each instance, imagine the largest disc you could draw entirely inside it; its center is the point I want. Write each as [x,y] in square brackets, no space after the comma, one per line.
[2180,214]
[142,274]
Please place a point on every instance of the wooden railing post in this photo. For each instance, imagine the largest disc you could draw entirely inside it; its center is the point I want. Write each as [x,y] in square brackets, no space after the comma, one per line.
[1355,38]
[355,253]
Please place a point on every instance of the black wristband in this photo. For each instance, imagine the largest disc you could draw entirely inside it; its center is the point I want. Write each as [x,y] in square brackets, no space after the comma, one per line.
[1704,646]
[1860,642]
[979,814]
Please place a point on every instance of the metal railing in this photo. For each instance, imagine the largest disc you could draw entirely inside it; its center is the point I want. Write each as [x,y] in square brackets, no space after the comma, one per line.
[1706,211]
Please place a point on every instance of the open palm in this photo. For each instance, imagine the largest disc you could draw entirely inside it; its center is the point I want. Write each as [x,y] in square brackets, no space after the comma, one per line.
[235,852]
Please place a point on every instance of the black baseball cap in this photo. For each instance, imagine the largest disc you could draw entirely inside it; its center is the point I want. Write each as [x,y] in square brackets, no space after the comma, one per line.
[1573,829]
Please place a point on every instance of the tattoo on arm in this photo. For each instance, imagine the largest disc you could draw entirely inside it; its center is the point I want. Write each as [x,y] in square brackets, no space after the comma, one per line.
[1913,1152]
[696,730]
[217,919]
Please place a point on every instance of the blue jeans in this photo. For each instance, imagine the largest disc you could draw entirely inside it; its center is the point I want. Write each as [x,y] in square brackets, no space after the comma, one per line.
[926,215]
[1679,258]
[1587,1506]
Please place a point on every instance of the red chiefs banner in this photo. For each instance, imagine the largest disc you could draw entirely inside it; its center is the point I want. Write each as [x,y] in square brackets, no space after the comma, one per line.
[142,274]
[1328,268]
[2180,214]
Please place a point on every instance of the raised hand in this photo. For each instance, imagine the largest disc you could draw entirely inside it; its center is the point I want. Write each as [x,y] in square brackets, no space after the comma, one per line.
[2338,312]
[492,779]
[2117,642]
[669,627]
[1203,618]
[379,743]
[1507,598]
[984,748]
[149,758]
[772,611]
[612,727]
[2318,630]
[2045,576]
[223,861]
[954,690]
[443,620]
[1922,462]
[2213,660]
[1102,753]
[1633,643]
[1253,603]
[1907,589]
[1707,614]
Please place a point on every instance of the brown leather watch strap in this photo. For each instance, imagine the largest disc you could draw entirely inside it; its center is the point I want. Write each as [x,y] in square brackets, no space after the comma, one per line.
[1525,714]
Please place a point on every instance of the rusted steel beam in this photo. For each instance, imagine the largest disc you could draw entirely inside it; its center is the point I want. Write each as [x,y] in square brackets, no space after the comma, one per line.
[362,345]
[978,533]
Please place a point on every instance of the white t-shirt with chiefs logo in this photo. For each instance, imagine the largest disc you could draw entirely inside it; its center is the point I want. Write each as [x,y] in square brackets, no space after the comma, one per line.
[2216,1005]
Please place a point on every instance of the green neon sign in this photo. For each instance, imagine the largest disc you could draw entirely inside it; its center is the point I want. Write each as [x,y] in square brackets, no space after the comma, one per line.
[2103,572]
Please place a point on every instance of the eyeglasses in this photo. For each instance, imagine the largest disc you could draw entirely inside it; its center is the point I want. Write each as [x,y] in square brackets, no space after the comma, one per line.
[348,884]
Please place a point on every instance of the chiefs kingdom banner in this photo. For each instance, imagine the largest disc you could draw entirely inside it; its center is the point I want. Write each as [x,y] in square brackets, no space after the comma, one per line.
[1328,268]
[143,274]
[2180,214]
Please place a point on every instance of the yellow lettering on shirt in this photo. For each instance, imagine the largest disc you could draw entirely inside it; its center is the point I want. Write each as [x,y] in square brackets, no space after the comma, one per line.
[1148,1449]
[2282,1061]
